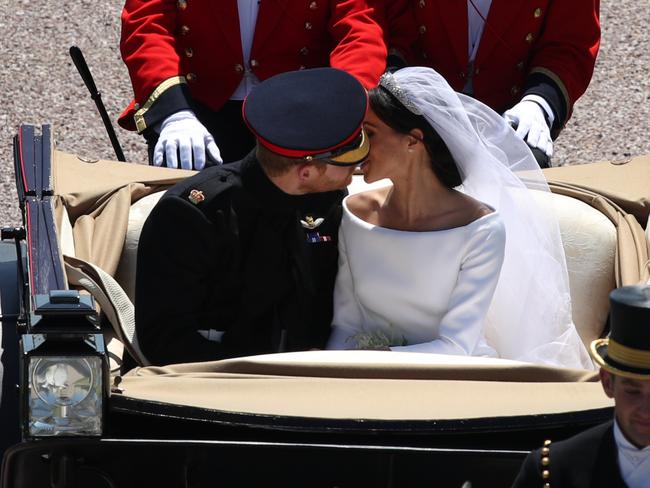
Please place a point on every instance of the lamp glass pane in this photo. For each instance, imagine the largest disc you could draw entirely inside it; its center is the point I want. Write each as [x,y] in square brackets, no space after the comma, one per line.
[65,395]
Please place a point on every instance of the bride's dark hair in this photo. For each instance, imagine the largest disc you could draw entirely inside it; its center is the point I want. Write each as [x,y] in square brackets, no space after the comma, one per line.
[400,119]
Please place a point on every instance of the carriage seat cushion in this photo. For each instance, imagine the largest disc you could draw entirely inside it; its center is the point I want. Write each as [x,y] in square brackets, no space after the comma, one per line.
[125,273]
[590,243]
[589,240]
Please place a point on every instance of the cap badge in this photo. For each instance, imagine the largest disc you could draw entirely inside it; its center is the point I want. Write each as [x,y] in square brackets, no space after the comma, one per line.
[196,196]
[310,223]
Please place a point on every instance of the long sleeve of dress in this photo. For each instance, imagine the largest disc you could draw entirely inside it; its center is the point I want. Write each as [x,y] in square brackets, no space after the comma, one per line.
[461,327]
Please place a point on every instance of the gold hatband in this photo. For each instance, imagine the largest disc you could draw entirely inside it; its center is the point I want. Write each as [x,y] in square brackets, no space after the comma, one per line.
[628,356]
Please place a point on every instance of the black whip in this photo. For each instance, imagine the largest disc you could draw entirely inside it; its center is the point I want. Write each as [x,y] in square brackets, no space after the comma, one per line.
[80,63]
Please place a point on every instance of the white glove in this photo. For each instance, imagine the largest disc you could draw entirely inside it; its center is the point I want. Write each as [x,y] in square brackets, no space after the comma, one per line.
[182,133]
[531,125]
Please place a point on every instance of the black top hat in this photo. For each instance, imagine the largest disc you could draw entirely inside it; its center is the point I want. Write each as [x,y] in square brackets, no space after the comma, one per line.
[626,352]
[310,114]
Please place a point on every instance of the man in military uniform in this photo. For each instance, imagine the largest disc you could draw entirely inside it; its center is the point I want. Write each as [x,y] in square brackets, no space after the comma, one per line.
[240,259]
[192,62]
[615,454]
[531,59]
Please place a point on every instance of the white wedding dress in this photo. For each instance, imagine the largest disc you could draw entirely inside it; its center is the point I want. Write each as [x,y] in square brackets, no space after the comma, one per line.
[424,291]
[416,286]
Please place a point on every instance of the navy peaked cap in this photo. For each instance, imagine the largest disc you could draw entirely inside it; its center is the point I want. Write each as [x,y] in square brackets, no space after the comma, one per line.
[311,114]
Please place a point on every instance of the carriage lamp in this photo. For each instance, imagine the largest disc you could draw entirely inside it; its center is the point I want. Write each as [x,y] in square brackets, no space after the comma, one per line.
[64,368]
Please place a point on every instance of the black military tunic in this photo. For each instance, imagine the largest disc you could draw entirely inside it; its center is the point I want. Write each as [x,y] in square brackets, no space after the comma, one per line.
[226,250]
[587,460]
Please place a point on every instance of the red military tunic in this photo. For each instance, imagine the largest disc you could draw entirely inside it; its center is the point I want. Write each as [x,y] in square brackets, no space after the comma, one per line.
[528,46]
[179,49]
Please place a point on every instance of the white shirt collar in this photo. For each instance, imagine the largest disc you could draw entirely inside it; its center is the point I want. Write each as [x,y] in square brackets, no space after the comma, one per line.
[633,462]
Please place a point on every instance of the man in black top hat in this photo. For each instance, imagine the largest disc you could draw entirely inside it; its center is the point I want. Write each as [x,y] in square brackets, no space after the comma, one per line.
[615,454]
[241,259]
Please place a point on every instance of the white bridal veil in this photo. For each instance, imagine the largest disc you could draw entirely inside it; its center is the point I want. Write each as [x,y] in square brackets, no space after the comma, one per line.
[530,316]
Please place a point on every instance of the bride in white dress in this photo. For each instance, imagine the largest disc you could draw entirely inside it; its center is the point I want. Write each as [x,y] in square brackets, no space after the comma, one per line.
[455,257]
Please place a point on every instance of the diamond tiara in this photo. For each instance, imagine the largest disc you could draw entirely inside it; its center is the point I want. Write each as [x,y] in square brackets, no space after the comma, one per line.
[389,82]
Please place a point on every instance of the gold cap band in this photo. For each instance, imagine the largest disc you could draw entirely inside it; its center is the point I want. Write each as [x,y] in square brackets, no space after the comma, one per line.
[635,358]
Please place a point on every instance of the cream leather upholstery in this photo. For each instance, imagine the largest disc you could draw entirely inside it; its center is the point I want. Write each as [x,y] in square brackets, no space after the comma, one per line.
[125,273]
[589,240]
